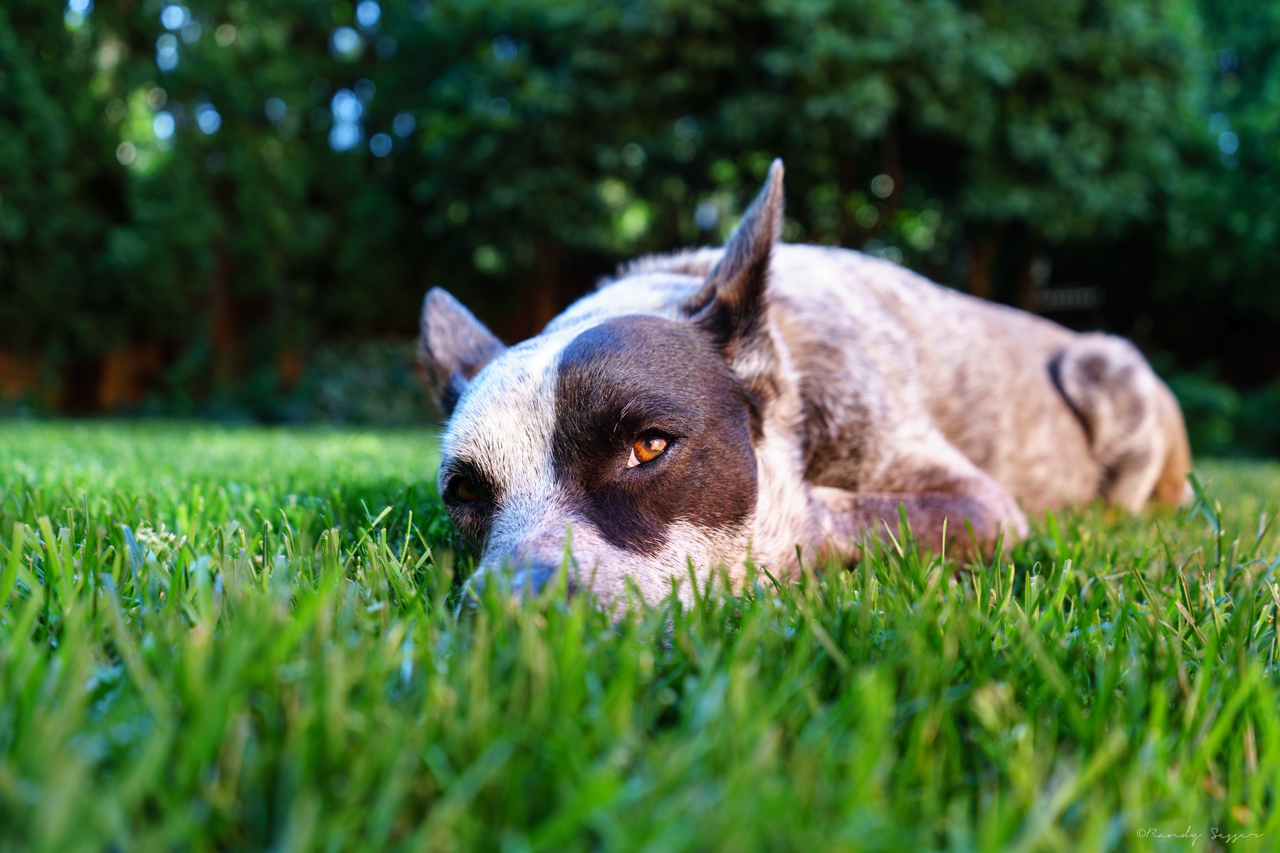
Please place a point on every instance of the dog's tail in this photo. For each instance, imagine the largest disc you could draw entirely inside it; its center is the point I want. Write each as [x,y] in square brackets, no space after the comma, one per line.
[1134,424]
[1172,487]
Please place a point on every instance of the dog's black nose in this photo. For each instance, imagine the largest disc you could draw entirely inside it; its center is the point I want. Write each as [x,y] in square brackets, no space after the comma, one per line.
[528,580]
[532,579]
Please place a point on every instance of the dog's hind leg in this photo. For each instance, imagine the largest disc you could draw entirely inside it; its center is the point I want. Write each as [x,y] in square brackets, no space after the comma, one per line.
[937,488]
[1134,425]
[850,516]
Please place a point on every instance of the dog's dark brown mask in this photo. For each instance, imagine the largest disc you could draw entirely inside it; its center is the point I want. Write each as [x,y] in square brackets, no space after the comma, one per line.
[621,440]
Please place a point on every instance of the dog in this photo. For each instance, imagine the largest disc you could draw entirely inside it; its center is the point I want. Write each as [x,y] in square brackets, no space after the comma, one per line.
[767,403]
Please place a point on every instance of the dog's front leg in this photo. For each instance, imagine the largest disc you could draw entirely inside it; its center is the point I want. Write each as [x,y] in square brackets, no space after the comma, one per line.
[848,516]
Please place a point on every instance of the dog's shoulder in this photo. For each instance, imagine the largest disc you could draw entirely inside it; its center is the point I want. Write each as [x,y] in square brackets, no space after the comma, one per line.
[692,262]
[654,285]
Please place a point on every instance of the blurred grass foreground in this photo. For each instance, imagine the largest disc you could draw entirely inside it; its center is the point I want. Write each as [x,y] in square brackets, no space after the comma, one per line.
[232,209]
[245,638]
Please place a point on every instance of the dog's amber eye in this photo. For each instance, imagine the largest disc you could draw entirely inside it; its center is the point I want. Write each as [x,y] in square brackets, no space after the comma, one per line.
[466,491]
[646,450]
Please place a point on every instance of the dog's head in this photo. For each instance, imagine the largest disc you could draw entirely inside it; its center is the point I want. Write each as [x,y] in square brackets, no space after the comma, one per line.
[622,437]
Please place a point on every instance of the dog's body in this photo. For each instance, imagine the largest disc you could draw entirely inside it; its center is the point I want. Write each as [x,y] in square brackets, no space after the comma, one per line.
[798,396]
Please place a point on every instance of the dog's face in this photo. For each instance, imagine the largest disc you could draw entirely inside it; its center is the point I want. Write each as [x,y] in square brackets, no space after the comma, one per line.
[622,443]
[626,446]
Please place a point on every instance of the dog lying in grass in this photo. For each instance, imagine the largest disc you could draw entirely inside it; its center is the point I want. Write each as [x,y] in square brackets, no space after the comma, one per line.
[760,402]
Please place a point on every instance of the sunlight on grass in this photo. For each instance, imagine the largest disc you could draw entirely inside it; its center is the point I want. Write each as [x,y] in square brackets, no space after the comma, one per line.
[217,639]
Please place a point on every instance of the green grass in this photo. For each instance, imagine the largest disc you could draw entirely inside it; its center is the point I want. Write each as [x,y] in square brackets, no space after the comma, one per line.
[216,639]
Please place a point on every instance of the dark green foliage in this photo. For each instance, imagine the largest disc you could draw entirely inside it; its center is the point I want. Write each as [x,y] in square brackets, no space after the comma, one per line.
[218,639]
[1220,420]
[1225,223]
[551,140]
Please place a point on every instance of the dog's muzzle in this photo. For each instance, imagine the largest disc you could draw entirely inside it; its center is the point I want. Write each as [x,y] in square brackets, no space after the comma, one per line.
[528,580]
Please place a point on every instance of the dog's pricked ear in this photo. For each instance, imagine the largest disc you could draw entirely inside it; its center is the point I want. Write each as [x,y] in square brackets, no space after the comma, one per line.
[453,348]
[730,305]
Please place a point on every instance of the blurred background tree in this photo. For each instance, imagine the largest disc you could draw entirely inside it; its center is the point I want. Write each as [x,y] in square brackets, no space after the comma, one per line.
[234,208]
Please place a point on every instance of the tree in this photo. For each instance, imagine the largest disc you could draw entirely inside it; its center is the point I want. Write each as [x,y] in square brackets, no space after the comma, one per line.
[239,184]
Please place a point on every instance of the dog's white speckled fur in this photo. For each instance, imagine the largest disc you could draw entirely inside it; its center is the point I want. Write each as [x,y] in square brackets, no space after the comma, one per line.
[843,387]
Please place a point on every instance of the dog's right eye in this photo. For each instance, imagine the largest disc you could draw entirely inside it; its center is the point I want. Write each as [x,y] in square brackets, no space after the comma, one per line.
[465,491]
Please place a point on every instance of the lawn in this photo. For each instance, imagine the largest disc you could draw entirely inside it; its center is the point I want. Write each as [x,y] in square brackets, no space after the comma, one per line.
[245,639]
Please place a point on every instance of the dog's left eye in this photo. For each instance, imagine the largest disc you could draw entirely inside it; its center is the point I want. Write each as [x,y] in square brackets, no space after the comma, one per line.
[646,450]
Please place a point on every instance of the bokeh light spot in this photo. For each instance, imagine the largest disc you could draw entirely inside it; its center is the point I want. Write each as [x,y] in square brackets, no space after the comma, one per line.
[174,17]
[344,136]
[707,216]
[634,221]
[368,13]
[403,124]
[488,259]
[346,44]
[126,153]
[163,125]
[76,12]
[208,119]
[346,106]
[380,145]
[613,192]
[276,109]
[499,109]
[167,52]
[504,49]
[882,186]
[108,55]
